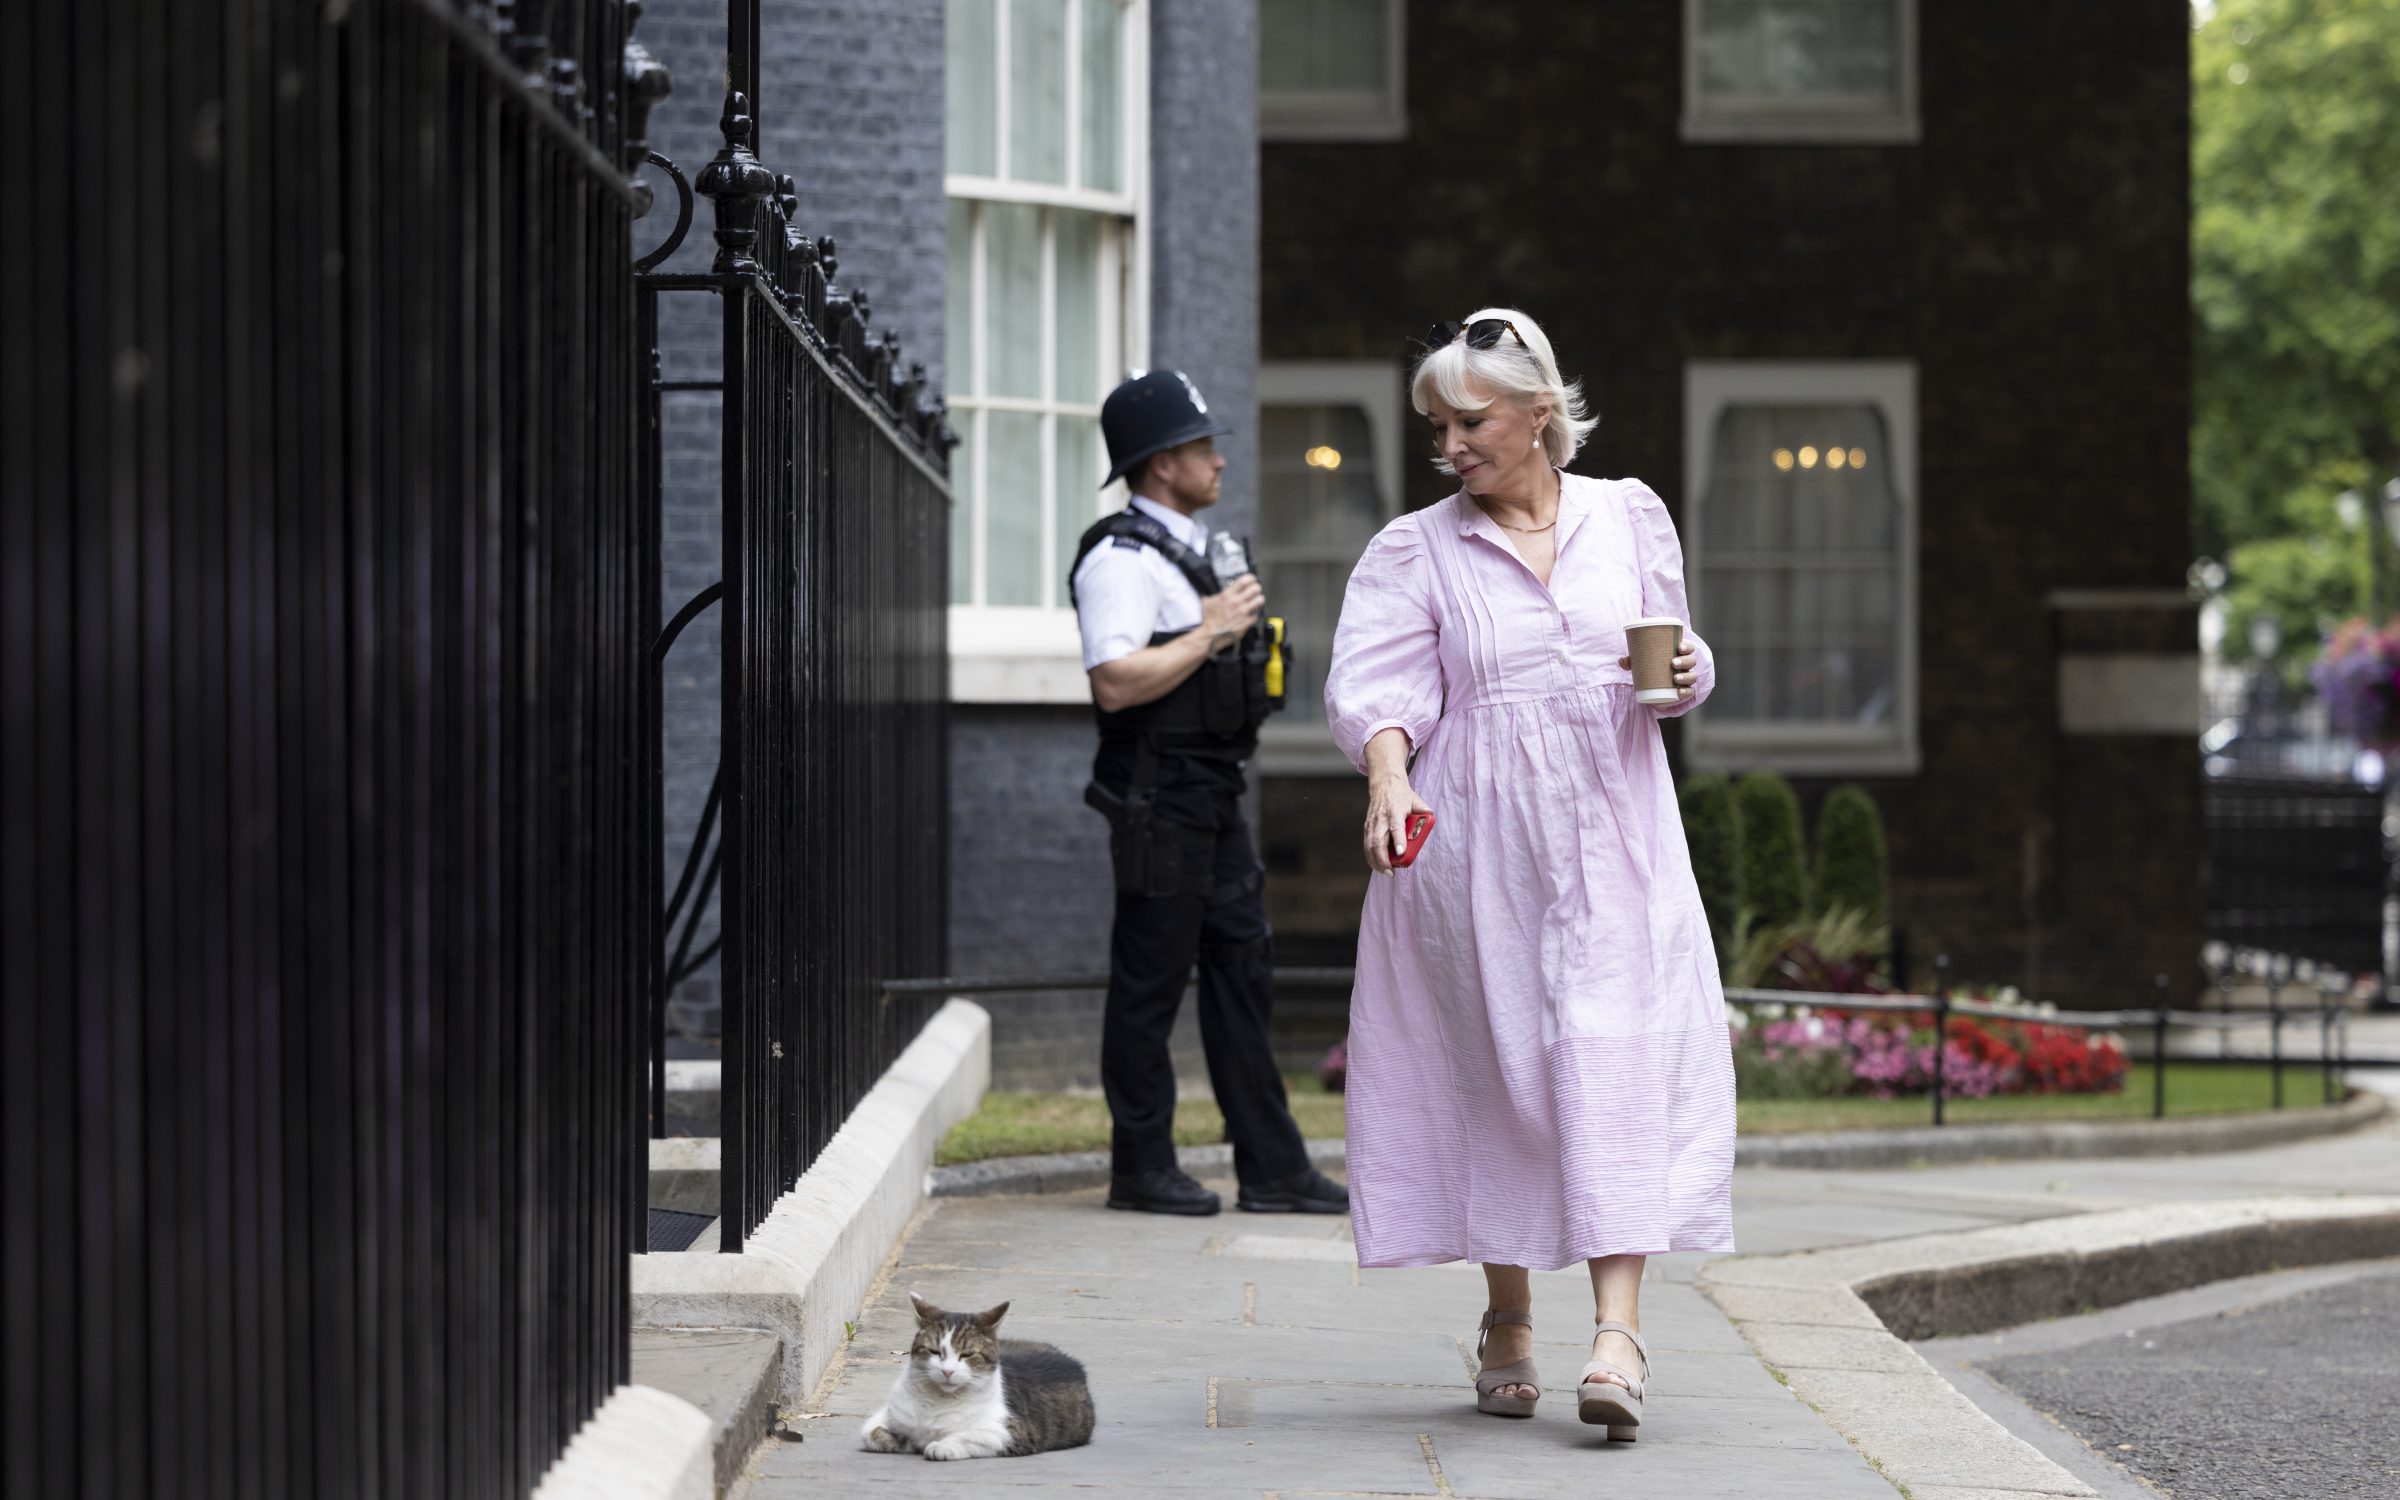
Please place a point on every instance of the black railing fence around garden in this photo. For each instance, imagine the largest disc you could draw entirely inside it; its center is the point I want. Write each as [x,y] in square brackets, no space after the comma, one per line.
[321,627]
[827,832]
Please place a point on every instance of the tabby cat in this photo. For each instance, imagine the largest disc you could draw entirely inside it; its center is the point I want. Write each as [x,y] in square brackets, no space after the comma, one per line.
[966,1393]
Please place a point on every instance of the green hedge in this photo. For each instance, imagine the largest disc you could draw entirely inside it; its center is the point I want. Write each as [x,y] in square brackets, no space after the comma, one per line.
[1714,831]
[1851,865]
[1774,862]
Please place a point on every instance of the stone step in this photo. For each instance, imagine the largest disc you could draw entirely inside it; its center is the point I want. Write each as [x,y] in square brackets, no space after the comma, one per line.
[695,1096]
[731,1374]
[686,1172]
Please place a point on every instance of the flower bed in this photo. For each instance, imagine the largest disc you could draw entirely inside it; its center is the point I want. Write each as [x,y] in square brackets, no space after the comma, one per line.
[1827,1052]
[2358,676]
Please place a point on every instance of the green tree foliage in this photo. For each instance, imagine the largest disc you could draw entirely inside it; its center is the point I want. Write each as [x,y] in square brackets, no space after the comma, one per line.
[1774,862]
[2296,296]
[1714,832]
[1851,867]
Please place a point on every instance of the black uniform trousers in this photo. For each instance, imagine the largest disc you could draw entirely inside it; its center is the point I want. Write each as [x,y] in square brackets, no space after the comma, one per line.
[1151,951]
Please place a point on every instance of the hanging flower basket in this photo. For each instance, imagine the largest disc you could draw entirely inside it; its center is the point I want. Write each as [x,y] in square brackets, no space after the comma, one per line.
[2358,678]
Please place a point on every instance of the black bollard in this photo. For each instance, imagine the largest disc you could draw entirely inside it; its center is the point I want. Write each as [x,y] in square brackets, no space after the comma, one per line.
[2158,1048]
[1941,1029]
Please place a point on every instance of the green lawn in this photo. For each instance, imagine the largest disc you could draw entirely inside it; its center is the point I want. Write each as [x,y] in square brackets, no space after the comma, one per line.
[1017,1124]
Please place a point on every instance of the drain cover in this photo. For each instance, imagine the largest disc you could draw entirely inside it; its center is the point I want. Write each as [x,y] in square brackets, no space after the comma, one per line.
[673,1229]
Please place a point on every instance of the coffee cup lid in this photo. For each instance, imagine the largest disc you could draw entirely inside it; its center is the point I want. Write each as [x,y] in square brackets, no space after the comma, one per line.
[1653,620]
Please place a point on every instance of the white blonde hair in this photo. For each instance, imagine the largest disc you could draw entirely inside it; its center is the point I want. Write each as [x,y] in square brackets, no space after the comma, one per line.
[1525,372]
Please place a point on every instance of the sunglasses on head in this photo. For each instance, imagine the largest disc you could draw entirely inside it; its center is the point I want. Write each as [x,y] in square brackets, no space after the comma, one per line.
[1483,333]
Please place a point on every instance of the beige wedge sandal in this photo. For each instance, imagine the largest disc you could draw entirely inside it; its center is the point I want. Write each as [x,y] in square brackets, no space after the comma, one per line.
[1491,1379]
[1606,1403]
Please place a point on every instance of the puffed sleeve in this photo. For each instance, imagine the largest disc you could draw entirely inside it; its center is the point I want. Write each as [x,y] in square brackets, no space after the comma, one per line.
[1386,667]
[1661,553]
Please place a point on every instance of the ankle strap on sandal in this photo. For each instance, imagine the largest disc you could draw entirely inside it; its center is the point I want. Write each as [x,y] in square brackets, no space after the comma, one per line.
[1604,1325]
[1493,1319]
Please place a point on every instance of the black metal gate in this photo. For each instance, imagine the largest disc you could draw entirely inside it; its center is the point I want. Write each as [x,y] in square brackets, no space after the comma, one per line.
[2297,867]
[833,788]
[321,630]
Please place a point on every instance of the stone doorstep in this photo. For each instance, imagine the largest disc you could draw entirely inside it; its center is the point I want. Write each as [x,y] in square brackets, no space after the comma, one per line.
[686,1172]
[732,1375]
[1839,1150]
[805,1270]
[1832,1322]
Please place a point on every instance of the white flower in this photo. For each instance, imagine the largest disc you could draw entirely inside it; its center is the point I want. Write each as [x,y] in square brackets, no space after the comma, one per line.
[1737,1017]
[1800,1012]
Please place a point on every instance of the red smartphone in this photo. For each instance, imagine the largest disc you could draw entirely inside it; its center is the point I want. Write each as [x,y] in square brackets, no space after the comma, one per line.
[1419,825]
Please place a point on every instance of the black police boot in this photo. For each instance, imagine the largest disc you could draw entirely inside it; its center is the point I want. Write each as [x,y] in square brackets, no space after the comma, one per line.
[1163,1190]
[1309,1192]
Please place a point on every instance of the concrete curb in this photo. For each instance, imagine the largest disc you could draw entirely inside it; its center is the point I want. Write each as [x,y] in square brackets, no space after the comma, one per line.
[1832,1150]
[1927,1144]
[641,1444]
[1078,1170]
[807,1267]
[1832,1322]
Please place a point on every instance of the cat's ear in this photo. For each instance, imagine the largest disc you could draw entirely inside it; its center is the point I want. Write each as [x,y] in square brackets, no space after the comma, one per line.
[926,1311]
[990,1318]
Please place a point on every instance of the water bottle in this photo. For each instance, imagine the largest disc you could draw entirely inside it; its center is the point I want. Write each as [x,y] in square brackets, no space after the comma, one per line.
[1228,556]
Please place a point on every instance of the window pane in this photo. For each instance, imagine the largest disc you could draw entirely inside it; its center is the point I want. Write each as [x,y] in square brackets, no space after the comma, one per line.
[1318,506]
[1354,54]
[962,515]
[1103,105]
[1801,51]
[971,128]
[1012,325]
[1799,567]
[1287,44]
[1079,471]
[1078,293]
[1013,562]
[1037,90]
[958,312]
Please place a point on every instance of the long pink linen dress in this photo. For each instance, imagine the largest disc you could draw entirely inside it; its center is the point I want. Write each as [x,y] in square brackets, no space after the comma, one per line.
[1539,1068]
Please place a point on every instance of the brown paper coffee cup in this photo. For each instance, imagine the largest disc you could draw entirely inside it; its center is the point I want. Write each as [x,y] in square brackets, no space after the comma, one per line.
[1651,643]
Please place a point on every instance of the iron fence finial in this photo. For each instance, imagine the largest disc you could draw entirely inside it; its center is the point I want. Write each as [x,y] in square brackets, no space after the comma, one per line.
[735,184]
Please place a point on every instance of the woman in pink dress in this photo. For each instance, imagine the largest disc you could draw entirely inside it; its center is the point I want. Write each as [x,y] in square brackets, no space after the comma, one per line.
[1539,1067]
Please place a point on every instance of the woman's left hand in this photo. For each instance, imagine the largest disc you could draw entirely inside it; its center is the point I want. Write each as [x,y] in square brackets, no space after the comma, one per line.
[1687,672]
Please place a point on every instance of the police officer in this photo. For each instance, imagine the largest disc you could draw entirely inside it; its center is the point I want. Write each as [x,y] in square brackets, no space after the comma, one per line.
[1179,665]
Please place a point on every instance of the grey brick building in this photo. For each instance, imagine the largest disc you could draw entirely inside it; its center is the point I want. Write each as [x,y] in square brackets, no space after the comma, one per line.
[1952,244]
[1038,195]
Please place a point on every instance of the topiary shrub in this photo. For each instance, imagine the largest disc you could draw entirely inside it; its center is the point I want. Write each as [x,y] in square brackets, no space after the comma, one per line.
[1714,831]
[1773,861]
[1851,867]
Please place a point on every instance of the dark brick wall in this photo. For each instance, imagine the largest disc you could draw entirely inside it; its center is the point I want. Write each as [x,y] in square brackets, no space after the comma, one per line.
[2029,254]
[1204,222]
[851,98]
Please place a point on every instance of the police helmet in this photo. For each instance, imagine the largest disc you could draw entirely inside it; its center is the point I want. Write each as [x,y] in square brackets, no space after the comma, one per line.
[1152,411]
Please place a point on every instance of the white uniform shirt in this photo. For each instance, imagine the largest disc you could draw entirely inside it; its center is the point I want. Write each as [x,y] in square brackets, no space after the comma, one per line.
[1126,591]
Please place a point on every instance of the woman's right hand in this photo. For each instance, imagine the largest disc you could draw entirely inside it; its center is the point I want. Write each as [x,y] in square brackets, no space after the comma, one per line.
[1390,802]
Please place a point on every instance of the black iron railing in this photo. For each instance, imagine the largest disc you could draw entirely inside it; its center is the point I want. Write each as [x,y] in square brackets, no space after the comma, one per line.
[829,815]
[2297,867]
[319,628]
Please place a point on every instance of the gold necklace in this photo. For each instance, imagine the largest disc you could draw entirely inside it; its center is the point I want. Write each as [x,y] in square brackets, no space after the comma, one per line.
[1529,530]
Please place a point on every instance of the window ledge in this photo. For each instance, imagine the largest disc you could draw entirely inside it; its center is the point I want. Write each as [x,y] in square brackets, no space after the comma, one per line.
[1763,749]
[1016,656]
[1766,128]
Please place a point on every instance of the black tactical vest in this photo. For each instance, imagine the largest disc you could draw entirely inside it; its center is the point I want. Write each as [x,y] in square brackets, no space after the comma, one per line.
[1213,713]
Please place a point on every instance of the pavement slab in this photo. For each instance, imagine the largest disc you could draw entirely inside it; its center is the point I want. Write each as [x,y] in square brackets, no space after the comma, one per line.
[1249,1355]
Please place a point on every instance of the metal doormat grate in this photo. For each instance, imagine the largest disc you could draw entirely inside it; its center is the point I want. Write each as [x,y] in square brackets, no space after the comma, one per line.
[673,1229]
